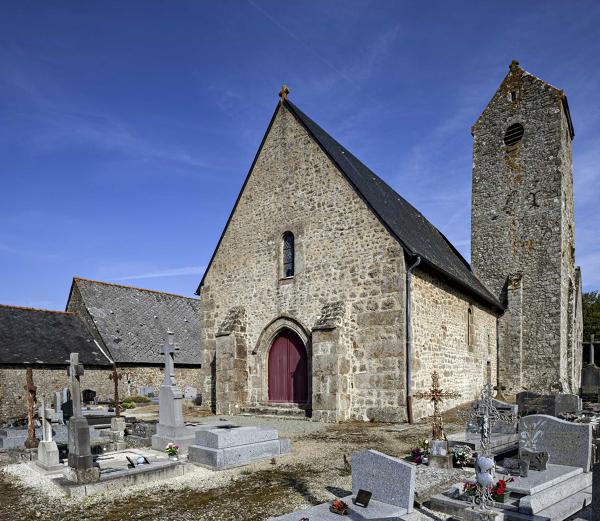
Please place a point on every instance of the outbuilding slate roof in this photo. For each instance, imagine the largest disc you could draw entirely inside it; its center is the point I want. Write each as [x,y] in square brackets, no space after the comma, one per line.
[409,226]
[47,338]
[133,322]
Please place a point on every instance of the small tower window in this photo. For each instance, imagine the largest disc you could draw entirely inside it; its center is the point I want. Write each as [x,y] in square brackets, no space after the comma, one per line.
[288,254]
[513,134]
[514,95]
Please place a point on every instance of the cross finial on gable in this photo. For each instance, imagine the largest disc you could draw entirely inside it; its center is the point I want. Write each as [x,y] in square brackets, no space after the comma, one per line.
[513,65]
[283,93]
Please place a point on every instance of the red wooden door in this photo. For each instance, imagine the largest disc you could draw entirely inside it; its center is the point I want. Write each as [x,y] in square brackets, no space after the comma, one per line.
[288,370]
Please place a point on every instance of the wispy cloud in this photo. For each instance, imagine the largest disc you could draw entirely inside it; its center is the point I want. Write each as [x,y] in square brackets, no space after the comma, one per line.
[56,121]
[169,272]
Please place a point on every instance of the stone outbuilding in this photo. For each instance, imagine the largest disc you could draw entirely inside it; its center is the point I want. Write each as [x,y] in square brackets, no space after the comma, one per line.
[44,340]
[105,323]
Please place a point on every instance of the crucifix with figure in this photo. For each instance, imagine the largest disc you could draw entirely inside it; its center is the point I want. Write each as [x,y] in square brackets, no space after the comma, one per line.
[486,415]
[437,396]
[115,377]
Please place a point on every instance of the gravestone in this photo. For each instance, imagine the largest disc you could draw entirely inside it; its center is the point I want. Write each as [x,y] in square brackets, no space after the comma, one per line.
[146,390]
[221,446]
[81,466]
[550,404]
[190,393]
[389,479]
[565,442]
[117,433]
[171,427]
[590,375]
[47,448]
[391,483]
[57,406]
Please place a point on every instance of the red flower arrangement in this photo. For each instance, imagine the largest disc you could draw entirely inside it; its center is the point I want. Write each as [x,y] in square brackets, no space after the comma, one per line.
[339,507]
[500,488]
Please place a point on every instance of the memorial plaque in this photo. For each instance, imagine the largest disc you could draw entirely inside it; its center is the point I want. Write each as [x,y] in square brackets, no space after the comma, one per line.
[362,498]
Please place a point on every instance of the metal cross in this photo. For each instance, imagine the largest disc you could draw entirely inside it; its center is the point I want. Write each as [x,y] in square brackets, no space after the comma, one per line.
[486,415]
[169,350]
[115,377]
[31,442]
[75,371]
[436,395]
[283,93]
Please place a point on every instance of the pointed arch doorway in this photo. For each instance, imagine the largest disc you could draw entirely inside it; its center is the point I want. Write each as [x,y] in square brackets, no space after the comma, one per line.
[288,369]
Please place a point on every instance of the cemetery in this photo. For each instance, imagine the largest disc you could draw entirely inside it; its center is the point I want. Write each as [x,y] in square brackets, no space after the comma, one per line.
[496,464]
[280,333]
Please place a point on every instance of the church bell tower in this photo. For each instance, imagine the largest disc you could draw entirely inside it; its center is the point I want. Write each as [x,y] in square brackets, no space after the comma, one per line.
[522,232]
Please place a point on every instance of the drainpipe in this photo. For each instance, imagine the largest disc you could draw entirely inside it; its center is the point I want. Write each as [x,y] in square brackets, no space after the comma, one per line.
[409,408]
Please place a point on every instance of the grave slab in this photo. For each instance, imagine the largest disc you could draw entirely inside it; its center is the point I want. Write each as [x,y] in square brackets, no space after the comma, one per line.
[376,511]
[220,446]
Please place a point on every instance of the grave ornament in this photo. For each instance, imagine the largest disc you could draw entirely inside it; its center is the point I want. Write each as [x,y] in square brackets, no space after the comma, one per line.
[31,442]
[436,395]
[485,415]
[115,377]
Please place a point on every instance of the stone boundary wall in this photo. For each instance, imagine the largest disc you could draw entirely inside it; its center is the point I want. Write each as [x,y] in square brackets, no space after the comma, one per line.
[13,402]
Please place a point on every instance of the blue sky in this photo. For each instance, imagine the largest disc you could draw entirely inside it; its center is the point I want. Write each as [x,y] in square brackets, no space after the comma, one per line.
[127,128]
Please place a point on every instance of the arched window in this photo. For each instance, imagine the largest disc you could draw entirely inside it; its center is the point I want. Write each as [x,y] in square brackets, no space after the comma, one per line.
[288,254]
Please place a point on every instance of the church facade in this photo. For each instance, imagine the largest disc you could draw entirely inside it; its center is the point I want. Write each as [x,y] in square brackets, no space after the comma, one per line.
[330,295]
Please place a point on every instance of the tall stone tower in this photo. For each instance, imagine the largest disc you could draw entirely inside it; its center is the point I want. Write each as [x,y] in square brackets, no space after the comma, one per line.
[522,232]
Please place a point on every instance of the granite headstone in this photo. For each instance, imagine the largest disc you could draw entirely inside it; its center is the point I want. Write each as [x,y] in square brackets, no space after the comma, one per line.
[389,479]
[565,442]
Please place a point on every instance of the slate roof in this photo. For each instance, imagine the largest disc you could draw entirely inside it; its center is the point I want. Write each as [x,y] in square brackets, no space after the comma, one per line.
[133,322]
[414,232]
[404,222]
[40,337]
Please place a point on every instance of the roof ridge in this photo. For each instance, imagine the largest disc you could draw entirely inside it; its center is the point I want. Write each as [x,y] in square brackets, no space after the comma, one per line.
[26,308]
[134,287]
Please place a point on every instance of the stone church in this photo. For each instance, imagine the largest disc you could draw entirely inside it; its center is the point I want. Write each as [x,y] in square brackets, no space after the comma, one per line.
[329,295]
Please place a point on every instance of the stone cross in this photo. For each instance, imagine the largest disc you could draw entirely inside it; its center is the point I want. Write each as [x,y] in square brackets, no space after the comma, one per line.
[283,93]
[591,345]
[75,371]
[485,415]
[45,416]
[31,442]
[169,351]
[115,377]
[436,395]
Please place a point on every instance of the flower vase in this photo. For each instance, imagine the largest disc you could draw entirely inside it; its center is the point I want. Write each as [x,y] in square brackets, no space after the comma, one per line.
[503,498]
[174,457]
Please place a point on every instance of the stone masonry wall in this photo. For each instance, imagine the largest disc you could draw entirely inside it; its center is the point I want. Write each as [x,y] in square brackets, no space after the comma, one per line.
[522,228]
[343,254]
[13,403]
[441,342]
